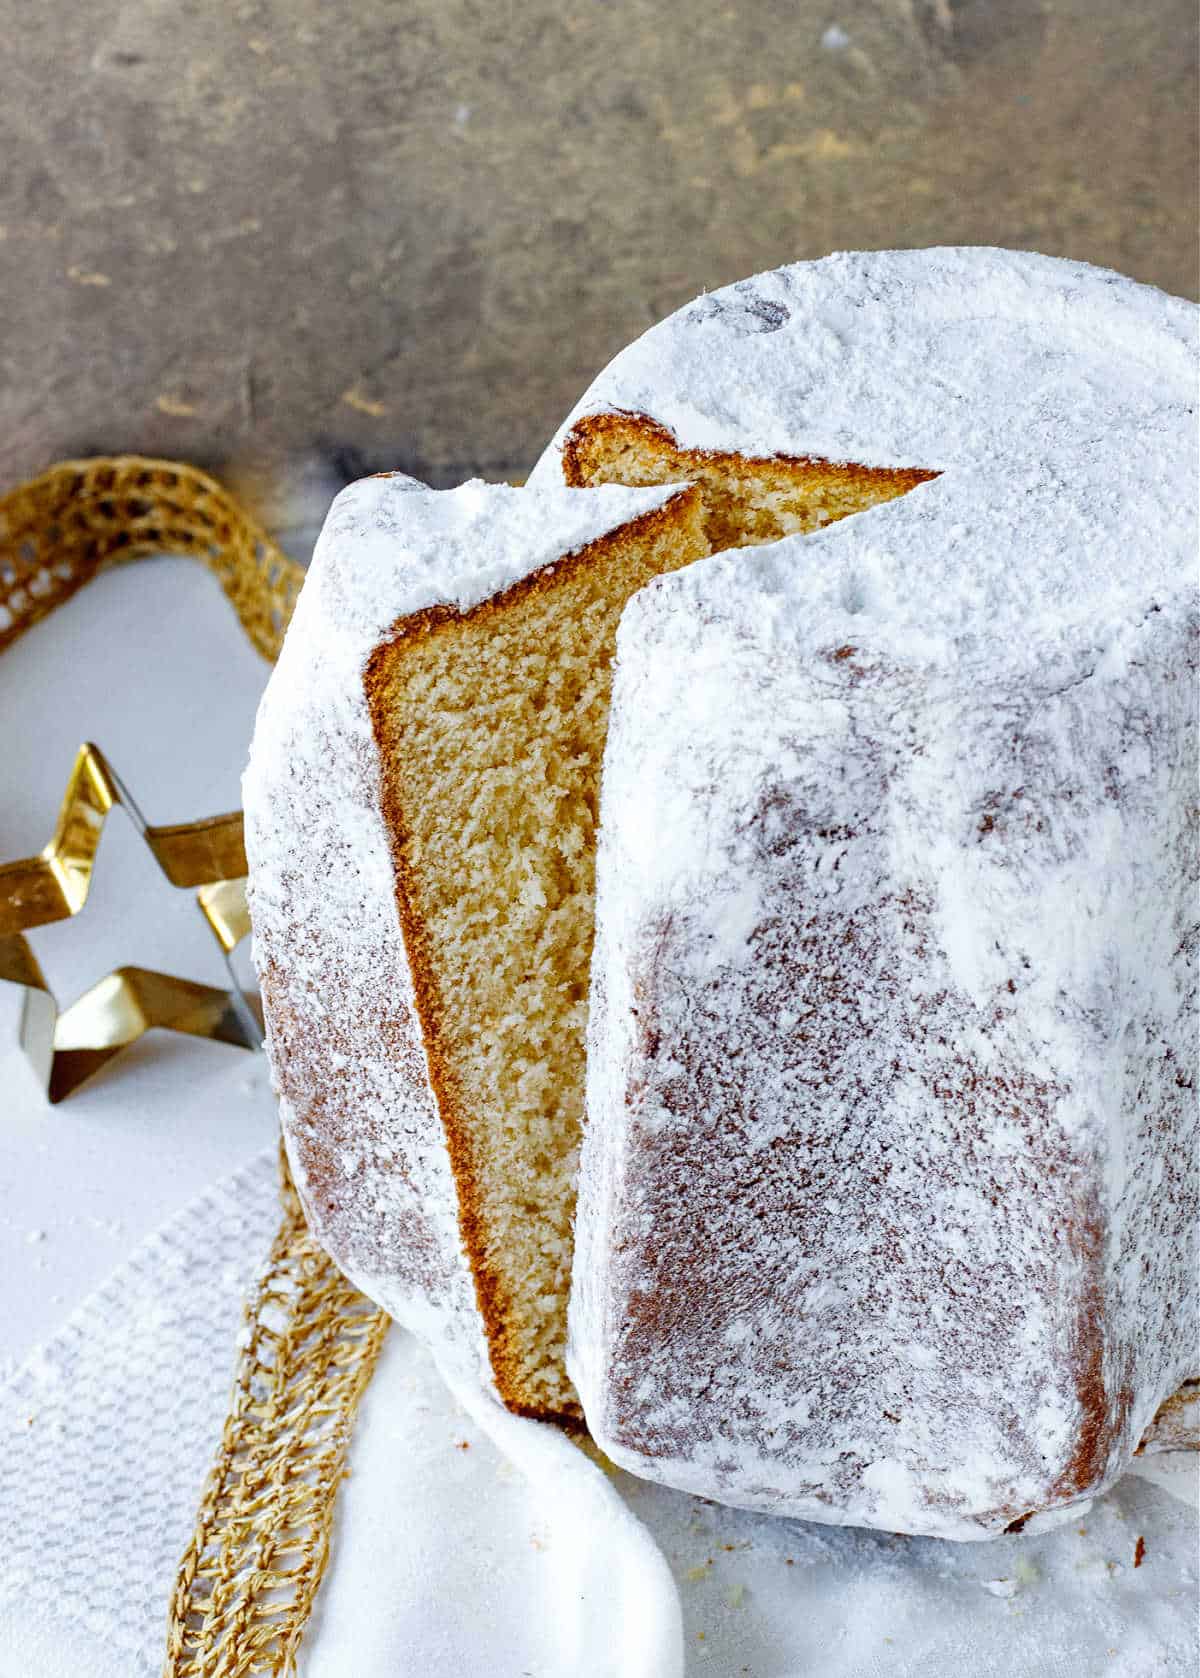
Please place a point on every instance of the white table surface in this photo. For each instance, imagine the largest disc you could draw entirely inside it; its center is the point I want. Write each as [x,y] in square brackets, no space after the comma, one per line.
[149,662]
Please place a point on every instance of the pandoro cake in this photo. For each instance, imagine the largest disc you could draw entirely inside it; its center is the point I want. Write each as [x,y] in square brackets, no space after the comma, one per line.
[888,1204]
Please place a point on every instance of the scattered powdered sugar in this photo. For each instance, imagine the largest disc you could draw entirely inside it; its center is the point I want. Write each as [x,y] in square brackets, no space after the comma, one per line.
[1001,1587]
[947,748]
[360,1120]
[843,1602]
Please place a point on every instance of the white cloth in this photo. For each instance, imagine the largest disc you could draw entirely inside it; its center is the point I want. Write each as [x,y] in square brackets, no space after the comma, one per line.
[470,1542]
[108,1431]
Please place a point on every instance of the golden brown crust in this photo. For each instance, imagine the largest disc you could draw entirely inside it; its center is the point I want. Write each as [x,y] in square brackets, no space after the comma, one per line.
[673,514]
[592,441]
[1176,1424]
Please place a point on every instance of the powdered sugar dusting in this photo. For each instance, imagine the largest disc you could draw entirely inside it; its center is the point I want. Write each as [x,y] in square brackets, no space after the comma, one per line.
[874,357]
[888,1207]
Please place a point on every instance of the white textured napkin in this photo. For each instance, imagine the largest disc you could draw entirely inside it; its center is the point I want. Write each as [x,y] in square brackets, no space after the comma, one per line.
[108,1432]
[468,1542]
[520,1547]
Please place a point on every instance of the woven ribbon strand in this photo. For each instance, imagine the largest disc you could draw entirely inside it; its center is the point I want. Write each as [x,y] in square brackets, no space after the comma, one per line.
[57,531]
[246,1584]
[248,1577]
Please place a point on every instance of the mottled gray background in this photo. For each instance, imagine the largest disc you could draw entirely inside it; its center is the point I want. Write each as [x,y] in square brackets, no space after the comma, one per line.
[353,236]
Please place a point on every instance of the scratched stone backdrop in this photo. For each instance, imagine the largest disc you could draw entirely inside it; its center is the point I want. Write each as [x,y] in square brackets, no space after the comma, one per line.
[293,240]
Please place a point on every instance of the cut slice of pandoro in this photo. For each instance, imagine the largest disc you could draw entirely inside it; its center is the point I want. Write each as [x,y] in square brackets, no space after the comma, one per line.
[421,806]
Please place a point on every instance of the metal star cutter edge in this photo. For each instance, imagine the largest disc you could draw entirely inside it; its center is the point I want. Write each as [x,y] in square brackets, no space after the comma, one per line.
[66,1047]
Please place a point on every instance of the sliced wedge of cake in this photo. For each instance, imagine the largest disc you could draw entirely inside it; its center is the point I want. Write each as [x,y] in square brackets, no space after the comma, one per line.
[421,807]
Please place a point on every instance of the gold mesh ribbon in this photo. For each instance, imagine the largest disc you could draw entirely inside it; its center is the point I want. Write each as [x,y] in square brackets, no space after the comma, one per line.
[248,1578]
[58,530]
[249,1575]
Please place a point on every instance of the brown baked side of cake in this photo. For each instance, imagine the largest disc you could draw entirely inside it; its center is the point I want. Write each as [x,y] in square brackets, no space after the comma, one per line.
[1176,1424]
[491,725]
[747,500]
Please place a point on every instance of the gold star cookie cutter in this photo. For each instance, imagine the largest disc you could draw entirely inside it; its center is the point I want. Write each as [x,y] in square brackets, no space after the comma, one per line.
[66,1047]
